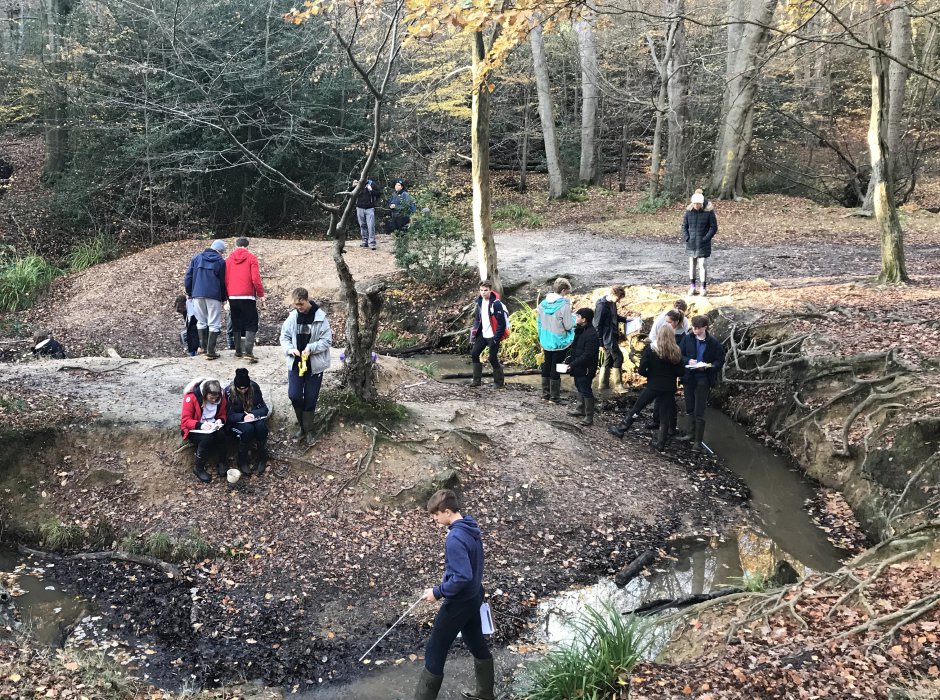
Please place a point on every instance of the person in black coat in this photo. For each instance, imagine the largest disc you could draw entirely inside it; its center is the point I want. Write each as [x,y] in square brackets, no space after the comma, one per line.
[246,420]
[607,323]
[699,226]
[582,364]
[701,349]
[662,365]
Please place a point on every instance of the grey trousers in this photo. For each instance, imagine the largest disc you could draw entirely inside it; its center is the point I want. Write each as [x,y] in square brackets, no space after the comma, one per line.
[208,313]
[366,218]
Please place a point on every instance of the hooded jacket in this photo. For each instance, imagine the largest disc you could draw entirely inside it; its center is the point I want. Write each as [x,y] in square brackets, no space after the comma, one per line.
[192,407]
[698,229]
[463,562]
[321,338]
[584,350]
[206,276]
[555,322]
[405,204]
[367,198]
[242,277]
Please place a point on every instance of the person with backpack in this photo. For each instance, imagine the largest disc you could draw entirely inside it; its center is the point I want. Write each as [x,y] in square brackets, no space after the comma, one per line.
[555,322]
[204,413]
[582,364]
[246,420]
[488,332]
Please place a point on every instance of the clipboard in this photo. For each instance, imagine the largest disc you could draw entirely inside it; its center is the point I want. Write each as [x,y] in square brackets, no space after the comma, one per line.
[700,365]
[257,418]
[486,620]
[205,432]
[633,326]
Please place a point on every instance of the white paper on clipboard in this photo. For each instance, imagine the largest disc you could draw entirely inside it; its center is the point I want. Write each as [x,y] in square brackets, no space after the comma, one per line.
[633,326]
[486,620]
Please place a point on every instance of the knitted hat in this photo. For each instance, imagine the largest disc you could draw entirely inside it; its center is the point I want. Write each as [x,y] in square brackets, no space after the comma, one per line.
[218,245]
[241,378]
[698,198]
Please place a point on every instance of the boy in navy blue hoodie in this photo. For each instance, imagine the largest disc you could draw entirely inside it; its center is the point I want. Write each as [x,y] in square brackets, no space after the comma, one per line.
[462,593]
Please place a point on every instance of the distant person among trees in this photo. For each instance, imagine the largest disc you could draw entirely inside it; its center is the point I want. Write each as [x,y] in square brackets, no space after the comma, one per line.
[201,421]
[699,226]
[306,338]
[369,196]
[205,285]
[661,366]
[487,332]
[582,364]
[244,288]
[607,322]
[401,206]
[555,323]
[246,420]
[701,348]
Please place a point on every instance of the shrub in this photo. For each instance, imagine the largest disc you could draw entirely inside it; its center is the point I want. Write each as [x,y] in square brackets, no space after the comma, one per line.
[159,545]
[651,205]
[597,663]
[522,346]
[22,280]
[101,533]
[56,537]
[193,548]
[432,247]
[99,249]
[578,193]
[513,214]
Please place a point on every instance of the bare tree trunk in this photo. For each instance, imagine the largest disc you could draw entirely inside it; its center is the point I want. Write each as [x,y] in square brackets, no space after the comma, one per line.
[737,119]
[624,155]
[556,182]
[55,107]
[675,179]
[480,168]
[524,159]
[661,65]
[886,213]
[587,51]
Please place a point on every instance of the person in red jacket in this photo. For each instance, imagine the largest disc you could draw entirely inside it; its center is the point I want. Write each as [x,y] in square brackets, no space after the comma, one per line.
[204,414]
[244,289]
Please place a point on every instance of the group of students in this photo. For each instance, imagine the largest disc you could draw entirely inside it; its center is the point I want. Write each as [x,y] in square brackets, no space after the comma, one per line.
[401,205]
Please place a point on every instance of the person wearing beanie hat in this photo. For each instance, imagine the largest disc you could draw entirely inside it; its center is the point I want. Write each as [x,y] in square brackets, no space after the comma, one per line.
[699,226]
[205,285]
[247,414]
[401,206]
[582,363]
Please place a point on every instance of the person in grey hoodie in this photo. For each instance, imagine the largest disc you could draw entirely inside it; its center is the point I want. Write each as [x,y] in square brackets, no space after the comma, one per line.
[306,338]
[556,332]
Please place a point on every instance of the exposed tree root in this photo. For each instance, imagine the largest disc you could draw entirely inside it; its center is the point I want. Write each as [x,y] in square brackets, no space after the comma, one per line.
[152,562]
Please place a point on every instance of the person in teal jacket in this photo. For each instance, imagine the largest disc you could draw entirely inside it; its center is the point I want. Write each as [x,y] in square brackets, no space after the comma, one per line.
[556,332]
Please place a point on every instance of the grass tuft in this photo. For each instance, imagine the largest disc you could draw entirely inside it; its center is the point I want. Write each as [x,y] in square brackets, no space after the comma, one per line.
[651,205]
[99,249]
[514,215]
[58,537]
[753,582]
[521,348]
[22,280]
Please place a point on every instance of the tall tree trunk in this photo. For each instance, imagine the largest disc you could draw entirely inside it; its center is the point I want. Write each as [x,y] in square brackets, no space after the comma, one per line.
[524,158]
[743,69]
[892,236]
[556,182]
[662,69]
[55,106]
[624,155]
[676,179]
[480,168]
[587,51]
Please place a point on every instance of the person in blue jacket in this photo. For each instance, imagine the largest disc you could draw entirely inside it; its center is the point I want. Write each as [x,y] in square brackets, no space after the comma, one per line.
[461,593]
[205,285]
[555,323]
[401,206]
[706,356]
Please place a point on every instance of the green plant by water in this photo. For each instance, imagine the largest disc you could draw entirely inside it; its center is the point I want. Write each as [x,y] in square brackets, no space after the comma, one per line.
[521,348]
[99,249]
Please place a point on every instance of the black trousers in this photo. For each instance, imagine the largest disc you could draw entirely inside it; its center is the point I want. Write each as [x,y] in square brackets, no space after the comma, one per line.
[613,357]
[552,358]
[454,617]
[244,315]
[696,395]
[397,222]
[479,344]
[209,445]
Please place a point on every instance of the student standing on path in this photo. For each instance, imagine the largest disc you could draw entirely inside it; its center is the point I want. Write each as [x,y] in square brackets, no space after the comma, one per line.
[365,212]
[487,332]
[461,593]
[244,288]
[700,348]
[607,322]
[556,332]
[582,364]
[205,285]
[306,338]
[699,226]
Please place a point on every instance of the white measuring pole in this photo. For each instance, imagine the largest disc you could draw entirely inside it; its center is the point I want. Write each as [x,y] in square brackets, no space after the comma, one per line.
[391,628]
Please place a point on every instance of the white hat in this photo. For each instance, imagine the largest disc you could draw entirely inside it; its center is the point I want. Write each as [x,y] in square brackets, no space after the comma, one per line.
[698,198]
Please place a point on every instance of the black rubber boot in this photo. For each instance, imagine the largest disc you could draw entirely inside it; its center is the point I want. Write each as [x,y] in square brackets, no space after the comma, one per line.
[238,346]
[499,377]
[220,467]
[211,340]
[620,430]
[203,334]
[241,459]
[485,673]
[588,411]
[248,347]
[546,388]
[429,685]
[662,437]
[652,423]
[231,340]
[298,434]
[554,390]
[578,410]
[477,374]
[684,431]
[699,436]
[199,469]
[310,427]
[262,463]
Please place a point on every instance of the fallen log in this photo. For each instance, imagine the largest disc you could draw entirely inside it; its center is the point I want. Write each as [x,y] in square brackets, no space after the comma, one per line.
[633,569]
[169,569]
[660,604]
[511,373]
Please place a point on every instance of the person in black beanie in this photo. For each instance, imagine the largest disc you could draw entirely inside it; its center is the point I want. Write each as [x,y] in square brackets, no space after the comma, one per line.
[247,413]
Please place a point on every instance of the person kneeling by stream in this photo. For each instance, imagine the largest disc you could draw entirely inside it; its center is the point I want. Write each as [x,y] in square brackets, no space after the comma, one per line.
[246,413]
[204,413]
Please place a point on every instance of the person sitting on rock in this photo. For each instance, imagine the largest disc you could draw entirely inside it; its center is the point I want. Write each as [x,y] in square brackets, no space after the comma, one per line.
[701,349]
[204,413]
[582,364]
[44,345]
[246,413]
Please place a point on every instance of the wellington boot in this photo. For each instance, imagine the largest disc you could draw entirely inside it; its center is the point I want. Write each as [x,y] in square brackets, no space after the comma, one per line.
[699,436]
[684,431]
[429,685]
[241,459]
[616,381]
[546,388]
[604,381]
[238,345]
[298,433]
[477,374]
[203,334]
[231,338]
[262,462]
[248,347]
[620,430]
[484,672]
[588,411]
[662,437]
[310,427]
[554,390]
[211,340]
[220,467]
[578,409]
[199,469]
[499,377]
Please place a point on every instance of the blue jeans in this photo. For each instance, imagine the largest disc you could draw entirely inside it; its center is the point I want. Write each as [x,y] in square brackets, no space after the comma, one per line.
[454,617]
[583,385]
[304,391]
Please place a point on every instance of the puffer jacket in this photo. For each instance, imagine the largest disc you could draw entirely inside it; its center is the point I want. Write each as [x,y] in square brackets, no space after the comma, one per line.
[698,229]
[555,322]
[191,415]
[236,411]
[206,276]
